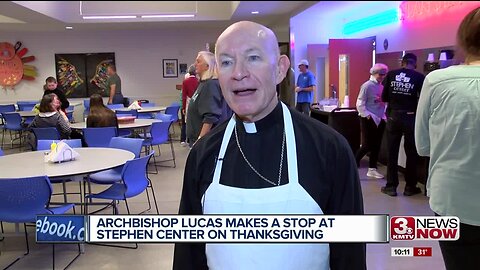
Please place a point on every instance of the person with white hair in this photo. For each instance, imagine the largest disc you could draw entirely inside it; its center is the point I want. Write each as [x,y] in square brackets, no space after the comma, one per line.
[372,118]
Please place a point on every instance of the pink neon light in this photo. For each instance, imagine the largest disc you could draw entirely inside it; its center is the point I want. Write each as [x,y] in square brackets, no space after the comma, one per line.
[412,10]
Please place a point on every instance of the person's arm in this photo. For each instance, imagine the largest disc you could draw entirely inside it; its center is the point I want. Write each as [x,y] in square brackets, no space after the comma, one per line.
[386,92]
[63,126]
[346,199]
[362,101]
[210,106]
[422,132]
[190,256]
[112,93]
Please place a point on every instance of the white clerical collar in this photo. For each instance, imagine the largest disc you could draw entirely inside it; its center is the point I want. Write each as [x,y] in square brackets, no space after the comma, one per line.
[250,127]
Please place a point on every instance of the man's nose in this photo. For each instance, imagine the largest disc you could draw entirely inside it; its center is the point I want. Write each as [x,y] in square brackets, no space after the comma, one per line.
[240,71]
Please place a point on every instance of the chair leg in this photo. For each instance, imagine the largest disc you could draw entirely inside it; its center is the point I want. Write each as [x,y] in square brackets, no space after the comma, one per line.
[24,254]
[1,226]
[154,198]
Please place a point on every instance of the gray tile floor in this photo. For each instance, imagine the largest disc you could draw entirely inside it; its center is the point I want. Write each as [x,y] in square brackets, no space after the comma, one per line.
[168,184]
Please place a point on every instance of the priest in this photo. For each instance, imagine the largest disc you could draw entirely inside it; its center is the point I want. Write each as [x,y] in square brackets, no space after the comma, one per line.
[267,159]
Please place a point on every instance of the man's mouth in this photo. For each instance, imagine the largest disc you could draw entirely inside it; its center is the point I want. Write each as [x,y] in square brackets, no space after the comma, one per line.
[244,92]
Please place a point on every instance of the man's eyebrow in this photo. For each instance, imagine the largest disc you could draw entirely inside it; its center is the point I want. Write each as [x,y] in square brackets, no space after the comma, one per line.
[245,52]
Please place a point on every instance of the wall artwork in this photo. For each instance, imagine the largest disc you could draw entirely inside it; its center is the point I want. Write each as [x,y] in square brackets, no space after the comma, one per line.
[170,68]
[183,68]
[83,74]
[12,65]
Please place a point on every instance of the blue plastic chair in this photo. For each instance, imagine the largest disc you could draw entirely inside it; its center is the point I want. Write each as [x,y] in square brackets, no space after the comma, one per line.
[114,175]
[26,105]
[173,111]
[1,152]
[46,133]
[99,137]
[115,106]
[134,182]
[4,109]
[86,106]
[13,122]
[164,117]
[70,116]
[127,113]
[22,199]
[43,145]
[159,134]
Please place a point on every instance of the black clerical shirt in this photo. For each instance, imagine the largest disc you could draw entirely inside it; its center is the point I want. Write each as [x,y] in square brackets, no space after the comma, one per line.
[326,170]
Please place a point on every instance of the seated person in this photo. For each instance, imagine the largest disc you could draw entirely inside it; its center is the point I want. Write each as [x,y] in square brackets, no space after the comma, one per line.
[51,116]
[100,115]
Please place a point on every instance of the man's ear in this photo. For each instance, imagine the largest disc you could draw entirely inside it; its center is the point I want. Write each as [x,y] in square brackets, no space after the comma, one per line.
[283,65]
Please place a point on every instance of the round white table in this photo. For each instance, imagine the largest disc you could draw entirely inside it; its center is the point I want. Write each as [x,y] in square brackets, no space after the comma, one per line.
[28,113]
[146,109]
[138,123]
[91,160]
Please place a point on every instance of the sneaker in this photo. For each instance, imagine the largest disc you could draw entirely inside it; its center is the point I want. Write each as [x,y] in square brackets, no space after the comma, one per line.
[412,191]
[372,172]
[391,191]
[183,144]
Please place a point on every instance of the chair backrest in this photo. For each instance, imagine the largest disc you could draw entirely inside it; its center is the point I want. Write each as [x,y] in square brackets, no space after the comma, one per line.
[26,105]
[7,108]
[115,106]
[160,132]
[134,175]
[70,116]
[148,105]
[12,121]
[86,104]
[43,145]
[99,137]
[164,117]
[46,133]
[130,144]
[21,199]
[173,110]
[1,152]
[127,112]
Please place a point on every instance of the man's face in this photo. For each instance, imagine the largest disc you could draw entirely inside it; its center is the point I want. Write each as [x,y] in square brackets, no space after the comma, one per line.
[379,76]
[248,72]
[302,68]
[51,85]
[110,71]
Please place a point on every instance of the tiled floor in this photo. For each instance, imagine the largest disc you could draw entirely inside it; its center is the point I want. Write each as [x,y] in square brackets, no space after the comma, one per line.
[168,184]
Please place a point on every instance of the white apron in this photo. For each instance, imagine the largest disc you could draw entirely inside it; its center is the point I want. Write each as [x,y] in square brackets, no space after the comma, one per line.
[290,198]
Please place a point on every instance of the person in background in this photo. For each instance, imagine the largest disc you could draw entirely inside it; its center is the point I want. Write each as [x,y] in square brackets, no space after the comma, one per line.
[189,85]
[114,86]
[447,129]
[51,87]
[50,116]
[248,165]
[100,115]
[401,90]
[306,88]
[286,89]
[207,107]
[372,118]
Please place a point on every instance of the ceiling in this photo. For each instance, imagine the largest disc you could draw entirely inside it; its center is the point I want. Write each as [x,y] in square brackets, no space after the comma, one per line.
[56,15]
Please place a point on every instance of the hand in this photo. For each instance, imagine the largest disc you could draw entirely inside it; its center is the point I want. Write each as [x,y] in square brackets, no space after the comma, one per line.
[298,89]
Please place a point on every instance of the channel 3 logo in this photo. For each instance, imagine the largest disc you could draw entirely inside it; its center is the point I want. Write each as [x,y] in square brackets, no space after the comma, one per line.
[424,228]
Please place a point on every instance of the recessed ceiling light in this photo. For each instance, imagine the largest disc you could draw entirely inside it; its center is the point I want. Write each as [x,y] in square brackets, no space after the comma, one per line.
[169,16]
[255,12]
[69,27]
[109,17]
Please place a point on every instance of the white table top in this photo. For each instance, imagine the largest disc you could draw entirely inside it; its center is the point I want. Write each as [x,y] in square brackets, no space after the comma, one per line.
[146,109]
[27,113]
[139,123]
[91,159]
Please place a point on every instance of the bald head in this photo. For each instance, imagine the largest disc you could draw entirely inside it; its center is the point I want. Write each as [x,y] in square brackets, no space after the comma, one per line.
[249,68]
[251,30]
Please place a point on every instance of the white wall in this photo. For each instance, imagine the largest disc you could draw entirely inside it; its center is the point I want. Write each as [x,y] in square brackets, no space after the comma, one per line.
[138,56]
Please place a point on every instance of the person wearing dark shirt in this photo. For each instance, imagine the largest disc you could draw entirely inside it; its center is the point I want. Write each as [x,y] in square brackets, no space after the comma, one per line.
[114,86]
[189,85]
[401,91]
[51,87]
[267,159]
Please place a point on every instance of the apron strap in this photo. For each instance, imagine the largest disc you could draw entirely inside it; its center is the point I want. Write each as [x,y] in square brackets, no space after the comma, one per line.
[223,149]
[291,146]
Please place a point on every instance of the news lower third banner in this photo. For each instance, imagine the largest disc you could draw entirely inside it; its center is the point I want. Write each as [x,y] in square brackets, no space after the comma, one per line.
[237,228]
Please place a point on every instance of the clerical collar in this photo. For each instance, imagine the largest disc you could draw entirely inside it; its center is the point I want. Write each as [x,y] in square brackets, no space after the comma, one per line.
[272,119]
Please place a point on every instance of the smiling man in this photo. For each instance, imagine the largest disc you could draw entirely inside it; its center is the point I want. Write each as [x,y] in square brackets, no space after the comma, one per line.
[267,159]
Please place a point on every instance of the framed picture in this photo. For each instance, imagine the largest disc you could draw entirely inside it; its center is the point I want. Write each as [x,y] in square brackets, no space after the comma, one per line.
[183,68]
[170,68]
